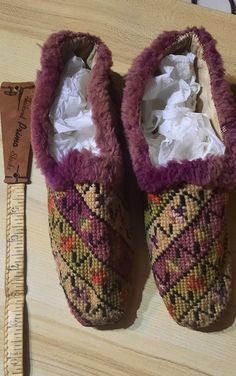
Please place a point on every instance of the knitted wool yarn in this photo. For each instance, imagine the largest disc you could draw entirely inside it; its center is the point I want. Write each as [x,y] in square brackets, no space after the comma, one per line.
[185,210]
[187,240]
[89,237]
[88,222]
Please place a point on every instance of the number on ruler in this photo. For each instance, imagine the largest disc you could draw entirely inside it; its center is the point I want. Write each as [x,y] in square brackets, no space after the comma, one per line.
[14,267]
[13,238]
[14,210]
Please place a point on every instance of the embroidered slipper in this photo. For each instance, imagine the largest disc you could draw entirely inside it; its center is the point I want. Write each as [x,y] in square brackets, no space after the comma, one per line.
[185,211]
[76,147]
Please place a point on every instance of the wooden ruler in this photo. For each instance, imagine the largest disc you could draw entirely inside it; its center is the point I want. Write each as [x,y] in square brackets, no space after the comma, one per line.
[14,280]
[15,102]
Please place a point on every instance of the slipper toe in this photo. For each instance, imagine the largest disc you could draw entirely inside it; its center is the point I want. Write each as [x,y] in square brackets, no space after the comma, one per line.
[90,243]
[187,240]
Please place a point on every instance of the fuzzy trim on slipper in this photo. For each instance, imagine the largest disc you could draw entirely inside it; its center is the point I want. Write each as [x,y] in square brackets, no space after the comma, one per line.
[76,167]
[214,171]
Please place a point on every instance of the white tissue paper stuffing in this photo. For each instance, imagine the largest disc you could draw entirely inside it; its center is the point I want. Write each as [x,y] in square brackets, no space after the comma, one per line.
[172,129]
[70,114]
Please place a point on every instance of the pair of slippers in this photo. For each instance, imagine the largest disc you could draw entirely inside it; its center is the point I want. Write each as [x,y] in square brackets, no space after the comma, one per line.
[185,211]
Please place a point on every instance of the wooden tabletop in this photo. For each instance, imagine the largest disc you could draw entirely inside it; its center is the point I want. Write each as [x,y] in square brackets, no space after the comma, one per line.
[150,344]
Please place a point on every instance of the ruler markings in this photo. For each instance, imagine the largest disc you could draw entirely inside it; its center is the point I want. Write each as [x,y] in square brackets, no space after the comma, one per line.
[14,284]
[15,106]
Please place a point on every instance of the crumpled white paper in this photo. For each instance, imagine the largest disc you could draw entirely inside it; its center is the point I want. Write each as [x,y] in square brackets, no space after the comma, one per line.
[70,114]
[172,129]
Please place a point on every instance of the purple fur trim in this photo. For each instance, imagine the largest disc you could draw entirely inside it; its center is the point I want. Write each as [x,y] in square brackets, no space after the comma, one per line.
[214,171]
[76,167]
